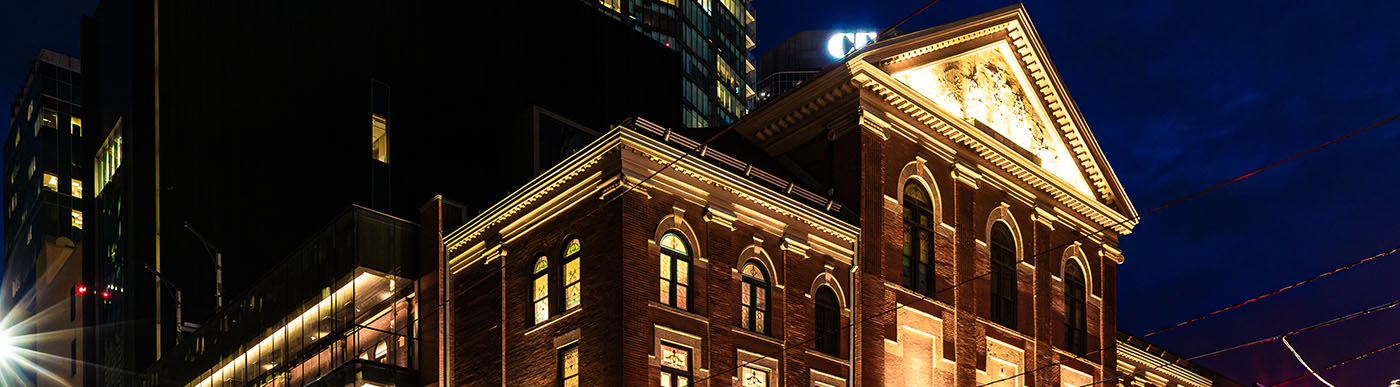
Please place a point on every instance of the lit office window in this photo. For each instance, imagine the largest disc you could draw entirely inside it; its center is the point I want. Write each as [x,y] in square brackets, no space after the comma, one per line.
[50,182]
[675,271]
[77,187]
[753,377]
[76,127]
[48,118]
[379,138]
[675,366]
[109,158]
[77,219]
[572,291]
[540,293]
[568,366]
[615,5]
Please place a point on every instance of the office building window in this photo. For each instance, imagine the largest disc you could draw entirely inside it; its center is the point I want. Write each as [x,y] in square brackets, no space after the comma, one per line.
[1076,337]
[675,270]
[379,138]
[675,366]
[50,182]
[109,158]
[753,377]
[77,187]
[75,126]
[753,297]
[918,239]
[77,219]
[540,291]
[34,166]
[828,321]
[48,118]
[568,366]
[572,288]
[1003,276]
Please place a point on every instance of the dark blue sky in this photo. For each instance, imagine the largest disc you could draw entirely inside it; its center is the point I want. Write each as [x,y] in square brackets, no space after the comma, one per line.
[1180,95]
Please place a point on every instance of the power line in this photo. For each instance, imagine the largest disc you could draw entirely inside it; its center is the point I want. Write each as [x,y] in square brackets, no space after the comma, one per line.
[1309,328]
[1338,364]
[925,297]
[1193,320]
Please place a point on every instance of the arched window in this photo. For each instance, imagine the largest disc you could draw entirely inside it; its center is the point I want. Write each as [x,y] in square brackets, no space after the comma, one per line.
[1003,276]
[675,270]
[918,239]
[539,295]
[572,293]
[1076,313]
[828,321]
[753,294]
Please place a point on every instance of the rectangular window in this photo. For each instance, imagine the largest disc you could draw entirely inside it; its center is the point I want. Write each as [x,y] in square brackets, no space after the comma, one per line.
[568,366]
[675,366]
[109,158]
[753,377]
[379,138]
[77,219]
[48,118]
[77,187]
[76,126]
[50,182]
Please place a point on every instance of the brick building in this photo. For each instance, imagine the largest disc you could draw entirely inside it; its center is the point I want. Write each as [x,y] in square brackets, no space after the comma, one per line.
[938,194]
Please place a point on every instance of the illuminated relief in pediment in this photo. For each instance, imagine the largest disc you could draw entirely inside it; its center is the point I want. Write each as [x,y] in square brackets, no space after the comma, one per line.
[984,85]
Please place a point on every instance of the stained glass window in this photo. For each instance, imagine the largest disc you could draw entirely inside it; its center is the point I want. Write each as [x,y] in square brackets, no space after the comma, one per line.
[568,366]
[572,248]
[753,377]
[539,295]
[1003,276]
[675,271]
[572,288]
[753,297]
[918,239]
[675,366]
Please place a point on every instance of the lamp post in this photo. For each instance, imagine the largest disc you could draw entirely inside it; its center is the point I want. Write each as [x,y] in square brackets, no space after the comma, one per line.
[179,306]
[218,265]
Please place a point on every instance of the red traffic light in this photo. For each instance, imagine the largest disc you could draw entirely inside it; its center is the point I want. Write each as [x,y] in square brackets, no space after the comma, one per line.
[82,289]
[106,294]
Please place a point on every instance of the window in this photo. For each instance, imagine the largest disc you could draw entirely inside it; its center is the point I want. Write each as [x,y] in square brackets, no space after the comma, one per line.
[675,366]
[540,291]
[379,138]
[1076,339]
[753,294]
[77,219]
[1003,276]
[753,377]
[76,126]
[50,182]
[48,118]
[568,366]
[828,322]
[675,270]
[918,239]
[77,186]
[572,296]
[109,158]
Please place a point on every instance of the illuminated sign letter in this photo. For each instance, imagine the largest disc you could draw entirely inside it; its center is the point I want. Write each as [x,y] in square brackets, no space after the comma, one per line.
[842,43]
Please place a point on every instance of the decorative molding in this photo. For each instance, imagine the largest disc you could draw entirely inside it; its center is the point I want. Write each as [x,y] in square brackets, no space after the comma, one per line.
[720,216]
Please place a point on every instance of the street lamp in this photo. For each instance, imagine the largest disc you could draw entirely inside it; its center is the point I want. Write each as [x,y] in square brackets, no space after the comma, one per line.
[218,265]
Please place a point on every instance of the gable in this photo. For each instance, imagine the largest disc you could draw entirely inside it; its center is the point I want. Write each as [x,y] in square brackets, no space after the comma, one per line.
[983,86]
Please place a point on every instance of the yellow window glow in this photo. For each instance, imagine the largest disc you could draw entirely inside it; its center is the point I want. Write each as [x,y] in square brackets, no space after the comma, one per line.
[50,182]
[77,219]
[77,187]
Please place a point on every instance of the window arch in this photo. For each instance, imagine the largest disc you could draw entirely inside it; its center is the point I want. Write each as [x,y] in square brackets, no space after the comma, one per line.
[828,321]
[675,270]
[539,292]
[754,297]
[1076,311]
[918,239]
[573,296]
[1003,275]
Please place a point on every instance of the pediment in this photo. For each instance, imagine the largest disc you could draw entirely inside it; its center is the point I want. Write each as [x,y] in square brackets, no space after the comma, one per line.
[986,86]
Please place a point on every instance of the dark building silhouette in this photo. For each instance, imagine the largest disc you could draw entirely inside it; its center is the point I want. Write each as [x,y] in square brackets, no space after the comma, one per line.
[253,122]
[45,172]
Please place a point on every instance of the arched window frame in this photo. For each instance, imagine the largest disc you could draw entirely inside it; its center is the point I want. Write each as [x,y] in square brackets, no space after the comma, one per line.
[539,290]
[826,320]
[1003,287]
[573,289]
[675,270]
[755,297]
[919,222]
[1076,293]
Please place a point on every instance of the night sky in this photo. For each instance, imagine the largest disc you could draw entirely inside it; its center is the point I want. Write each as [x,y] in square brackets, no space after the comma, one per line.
[1180,96]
